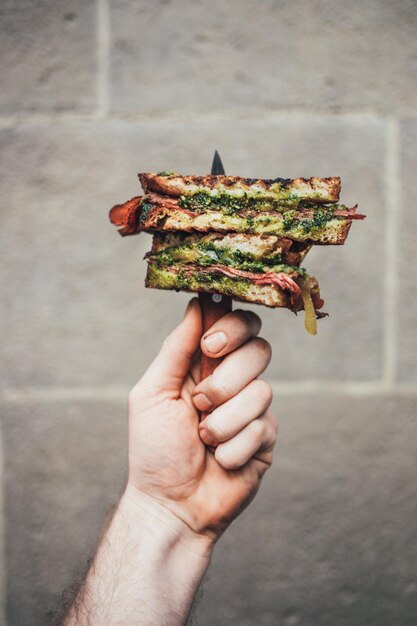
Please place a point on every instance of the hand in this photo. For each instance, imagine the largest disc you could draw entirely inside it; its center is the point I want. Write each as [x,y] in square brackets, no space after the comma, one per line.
[170,463]
[180,496]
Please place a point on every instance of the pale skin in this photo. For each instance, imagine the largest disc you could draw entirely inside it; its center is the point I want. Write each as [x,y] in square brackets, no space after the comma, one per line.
[187,480]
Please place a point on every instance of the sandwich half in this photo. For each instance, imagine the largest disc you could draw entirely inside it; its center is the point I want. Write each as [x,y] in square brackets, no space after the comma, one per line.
[299,209]
[259,269]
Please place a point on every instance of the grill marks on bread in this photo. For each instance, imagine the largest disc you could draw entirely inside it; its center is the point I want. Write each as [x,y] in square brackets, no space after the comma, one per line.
[322,190]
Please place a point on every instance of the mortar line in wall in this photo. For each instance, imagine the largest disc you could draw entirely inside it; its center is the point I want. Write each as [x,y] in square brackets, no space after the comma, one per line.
[103,57]
[393,190]
[64,394]
[70,117]
[24,395]
[334,387]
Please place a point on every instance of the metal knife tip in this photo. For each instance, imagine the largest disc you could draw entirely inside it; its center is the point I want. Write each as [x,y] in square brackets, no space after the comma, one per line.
[217,165]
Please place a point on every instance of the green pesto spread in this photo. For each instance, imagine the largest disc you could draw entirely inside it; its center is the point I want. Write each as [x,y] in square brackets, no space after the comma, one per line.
[145,207]
[230,205]
[206,254]
[268,224]
[314,224]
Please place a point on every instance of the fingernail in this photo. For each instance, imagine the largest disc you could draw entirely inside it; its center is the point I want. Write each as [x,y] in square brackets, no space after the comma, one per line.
[206,437]
[202,402]
[215,342]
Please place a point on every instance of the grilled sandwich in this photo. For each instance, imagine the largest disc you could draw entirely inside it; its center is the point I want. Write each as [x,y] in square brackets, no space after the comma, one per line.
[236,236]
[300,209]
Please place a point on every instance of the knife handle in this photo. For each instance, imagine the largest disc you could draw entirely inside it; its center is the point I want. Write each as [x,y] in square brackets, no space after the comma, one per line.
[213,307]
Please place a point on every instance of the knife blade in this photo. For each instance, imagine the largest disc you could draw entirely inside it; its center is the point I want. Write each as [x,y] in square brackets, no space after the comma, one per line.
[213,305]
[217,165]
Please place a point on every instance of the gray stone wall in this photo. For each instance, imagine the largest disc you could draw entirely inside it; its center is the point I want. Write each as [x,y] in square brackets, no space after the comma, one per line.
[90,94]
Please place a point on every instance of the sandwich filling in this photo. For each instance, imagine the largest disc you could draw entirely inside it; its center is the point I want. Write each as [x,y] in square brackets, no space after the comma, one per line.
[315,223]
[232,204]
[253,253]
[248,206]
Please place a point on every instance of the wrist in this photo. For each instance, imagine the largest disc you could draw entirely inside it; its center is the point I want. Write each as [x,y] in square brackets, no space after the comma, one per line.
[144,514]
[148,567]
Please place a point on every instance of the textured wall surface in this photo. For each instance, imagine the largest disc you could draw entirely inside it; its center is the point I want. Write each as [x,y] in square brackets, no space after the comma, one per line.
[90,94]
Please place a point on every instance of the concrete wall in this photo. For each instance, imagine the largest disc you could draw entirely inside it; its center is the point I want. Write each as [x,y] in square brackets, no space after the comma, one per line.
[92,93]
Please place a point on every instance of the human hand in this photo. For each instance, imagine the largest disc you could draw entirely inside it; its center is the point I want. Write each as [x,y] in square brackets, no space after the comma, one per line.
[170,463]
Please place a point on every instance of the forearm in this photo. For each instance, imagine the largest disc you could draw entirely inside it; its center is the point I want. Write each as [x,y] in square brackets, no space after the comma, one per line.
[147,569]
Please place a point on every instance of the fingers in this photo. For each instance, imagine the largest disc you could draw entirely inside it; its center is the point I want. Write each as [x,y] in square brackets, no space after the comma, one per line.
[230,332]
[254,442]
[170,366]
[230,418]
[236,371]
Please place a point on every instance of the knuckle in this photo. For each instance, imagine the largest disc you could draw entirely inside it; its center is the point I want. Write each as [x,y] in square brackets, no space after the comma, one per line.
[215,429]
[264,391]
[254,320]
[271,435]
[272,420]
[263,346]
[249,318]
[217,387]
[257,430]
[225,460]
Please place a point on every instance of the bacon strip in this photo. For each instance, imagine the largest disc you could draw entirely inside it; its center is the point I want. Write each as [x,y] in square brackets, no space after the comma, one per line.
[317,301]
[166,201]
[350,215]
[281,280]
[127,216]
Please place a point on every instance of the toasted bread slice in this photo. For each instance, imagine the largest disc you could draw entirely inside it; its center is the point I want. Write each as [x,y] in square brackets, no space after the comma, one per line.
[320,190]
[160,218]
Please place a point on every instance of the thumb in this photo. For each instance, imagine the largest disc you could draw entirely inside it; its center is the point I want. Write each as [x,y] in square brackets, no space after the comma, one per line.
[169,368]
